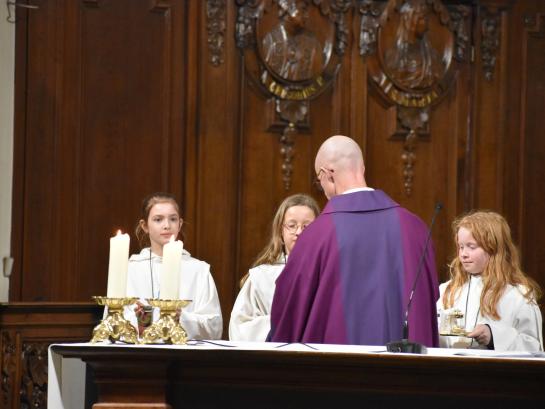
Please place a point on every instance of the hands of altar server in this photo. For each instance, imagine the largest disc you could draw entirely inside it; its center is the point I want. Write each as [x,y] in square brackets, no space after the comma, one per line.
[143,316]
[178,315]
[482,334]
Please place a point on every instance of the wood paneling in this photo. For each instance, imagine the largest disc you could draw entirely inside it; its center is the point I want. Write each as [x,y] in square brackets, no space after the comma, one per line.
[26,331]
[117,99]
[532,142]
[103,118]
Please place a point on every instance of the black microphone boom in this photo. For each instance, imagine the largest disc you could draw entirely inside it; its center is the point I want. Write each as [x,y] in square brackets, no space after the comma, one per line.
[405,345]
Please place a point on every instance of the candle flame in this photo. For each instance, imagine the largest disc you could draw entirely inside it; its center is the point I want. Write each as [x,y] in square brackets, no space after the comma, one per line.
[119,233]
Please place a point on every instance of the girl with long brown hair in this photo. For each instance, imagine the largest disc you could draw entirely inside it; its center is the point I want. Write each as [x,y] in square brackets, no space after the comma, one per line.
[250,318]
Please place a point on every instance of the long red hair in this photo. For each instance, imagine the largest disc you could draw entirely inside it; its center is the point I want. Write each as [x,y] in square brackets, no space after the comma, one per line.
[492,233]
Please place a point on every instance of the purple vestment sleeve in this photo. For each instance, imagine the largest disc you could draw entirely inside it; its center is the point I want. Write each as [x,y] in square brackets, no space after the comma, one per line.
[348,278]
[422,318]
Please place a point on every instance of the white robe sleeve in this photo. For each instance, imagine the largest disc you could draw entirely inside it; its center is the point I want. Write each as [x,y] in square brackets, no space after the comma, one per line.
[249,321]
[202,318]
[524,333]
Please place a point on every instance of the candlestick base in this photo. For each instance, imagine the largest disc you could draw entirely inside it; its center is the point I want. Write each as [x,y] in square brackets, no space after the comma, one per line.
[115,327]
[168,327]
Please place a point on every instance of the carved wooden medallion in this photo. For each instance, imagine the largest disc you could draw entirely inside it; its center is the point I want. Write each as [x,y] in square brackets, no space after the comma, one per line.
[289,59]
[411,48]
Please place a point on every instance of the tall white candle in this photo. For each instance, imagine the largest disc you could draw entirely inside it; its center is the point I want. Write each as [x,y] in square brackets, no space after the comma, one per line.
[118,265]
[170,274]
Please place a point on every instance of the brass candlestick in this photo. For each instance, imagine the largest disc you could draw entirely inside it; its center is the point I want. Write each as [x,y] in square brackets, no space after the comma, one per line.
[115,327]
[168,327]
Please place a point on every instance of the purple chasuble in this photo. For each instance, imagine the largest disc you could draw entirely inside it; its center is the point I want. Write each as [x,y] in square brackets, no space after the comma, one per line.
[348,278]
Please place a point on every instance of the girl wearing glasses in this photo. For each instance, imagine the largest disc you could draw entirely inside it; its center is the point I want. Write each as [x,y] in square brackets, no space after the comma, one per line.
[250,318]
[160,221]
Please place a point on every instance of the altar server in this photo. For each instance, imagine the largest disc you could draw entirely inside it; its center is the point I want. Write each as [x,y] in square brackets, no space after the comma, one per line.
[498,301]
[250,318]
[348,279]
[160,221]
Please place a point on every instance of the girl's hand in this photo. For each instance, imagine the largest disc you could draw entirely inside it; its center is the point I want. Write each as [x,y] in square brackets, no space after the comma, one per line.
[482,334]
[143,316]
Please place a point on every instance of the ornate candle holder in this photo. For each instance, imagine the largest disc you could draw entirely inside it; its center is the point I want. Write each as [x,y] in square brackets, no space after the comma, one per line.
[115,327]
[168,327]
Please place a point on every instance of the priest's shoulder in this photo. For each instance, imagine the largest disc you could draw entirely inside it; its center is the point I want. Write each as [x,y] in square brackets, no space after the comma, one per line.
[410,219]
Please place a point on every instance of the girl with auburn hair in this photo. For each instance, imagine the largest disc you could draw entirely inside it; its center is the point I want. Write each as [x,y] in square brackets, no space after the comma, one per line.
[487,285]
[250,318]
[160,221]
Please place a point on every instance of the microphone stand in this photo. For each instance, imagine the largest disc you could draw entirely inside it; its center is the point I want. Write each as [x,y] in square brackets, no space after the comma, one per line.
[404,345]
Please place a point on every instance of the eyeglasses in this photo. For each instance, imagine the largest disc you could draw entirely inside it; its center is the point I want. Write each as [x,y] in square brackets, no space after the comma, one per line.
[293,227]
[318,181]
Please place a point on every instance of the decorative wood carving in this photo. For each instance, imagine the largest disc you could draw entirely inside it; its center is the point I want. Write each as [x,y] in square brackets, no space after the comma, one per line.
[34,377]
[9,366]
[459,16]
[490,39]
[410,47]
[290,61]
[535,23]
[26,331]
[414,123]
[292,112]
[370,11]
[337,10]
[215,25]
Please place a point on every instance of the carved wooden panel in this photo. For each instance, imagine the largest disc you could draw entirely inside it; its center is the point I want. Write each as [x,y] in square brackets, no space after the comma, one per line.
[26,331]
[9,368]
[33,388]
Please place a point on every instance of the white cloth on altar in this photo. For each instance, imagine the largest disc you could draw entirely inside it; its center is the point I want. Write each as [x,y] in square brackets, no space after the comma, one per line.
[518,329]
[202,317]
[66,382]
[250,318]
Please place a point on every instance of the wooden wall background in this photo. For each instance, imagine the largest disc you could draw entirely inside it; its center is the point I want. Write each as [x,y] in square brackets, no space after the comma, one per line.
[119,98]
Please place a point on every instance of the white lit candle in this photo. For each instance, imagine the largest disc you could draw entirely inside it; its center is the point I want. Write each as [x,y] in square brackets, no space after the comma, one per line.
[117,268]
[170,274]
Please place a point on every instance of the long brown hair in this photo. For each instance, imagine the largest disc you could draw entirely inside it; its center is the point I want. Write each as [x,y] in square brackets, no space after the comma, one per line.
[275,247]
[147,204]
[492,233]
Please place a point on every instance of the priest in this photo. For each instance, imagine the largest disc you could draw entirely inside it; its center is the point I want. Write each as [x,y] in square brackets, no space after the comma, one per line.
[349,278]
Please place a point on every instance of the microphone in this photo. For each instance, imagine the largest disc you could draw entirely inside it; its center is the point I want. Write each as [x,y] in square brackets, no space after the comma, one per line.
[405,345]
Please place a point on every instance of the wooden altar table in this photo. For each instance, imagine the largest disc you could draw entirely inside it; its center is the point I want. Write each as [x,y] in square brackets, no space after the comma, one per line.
[268,375]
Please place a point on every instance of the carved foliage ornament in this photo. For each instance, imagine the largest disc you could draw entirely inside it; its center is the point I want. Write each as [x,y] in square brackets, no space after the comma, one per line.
[290,61]
[34,376]
[490,41]
[215,25]
[9,367]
